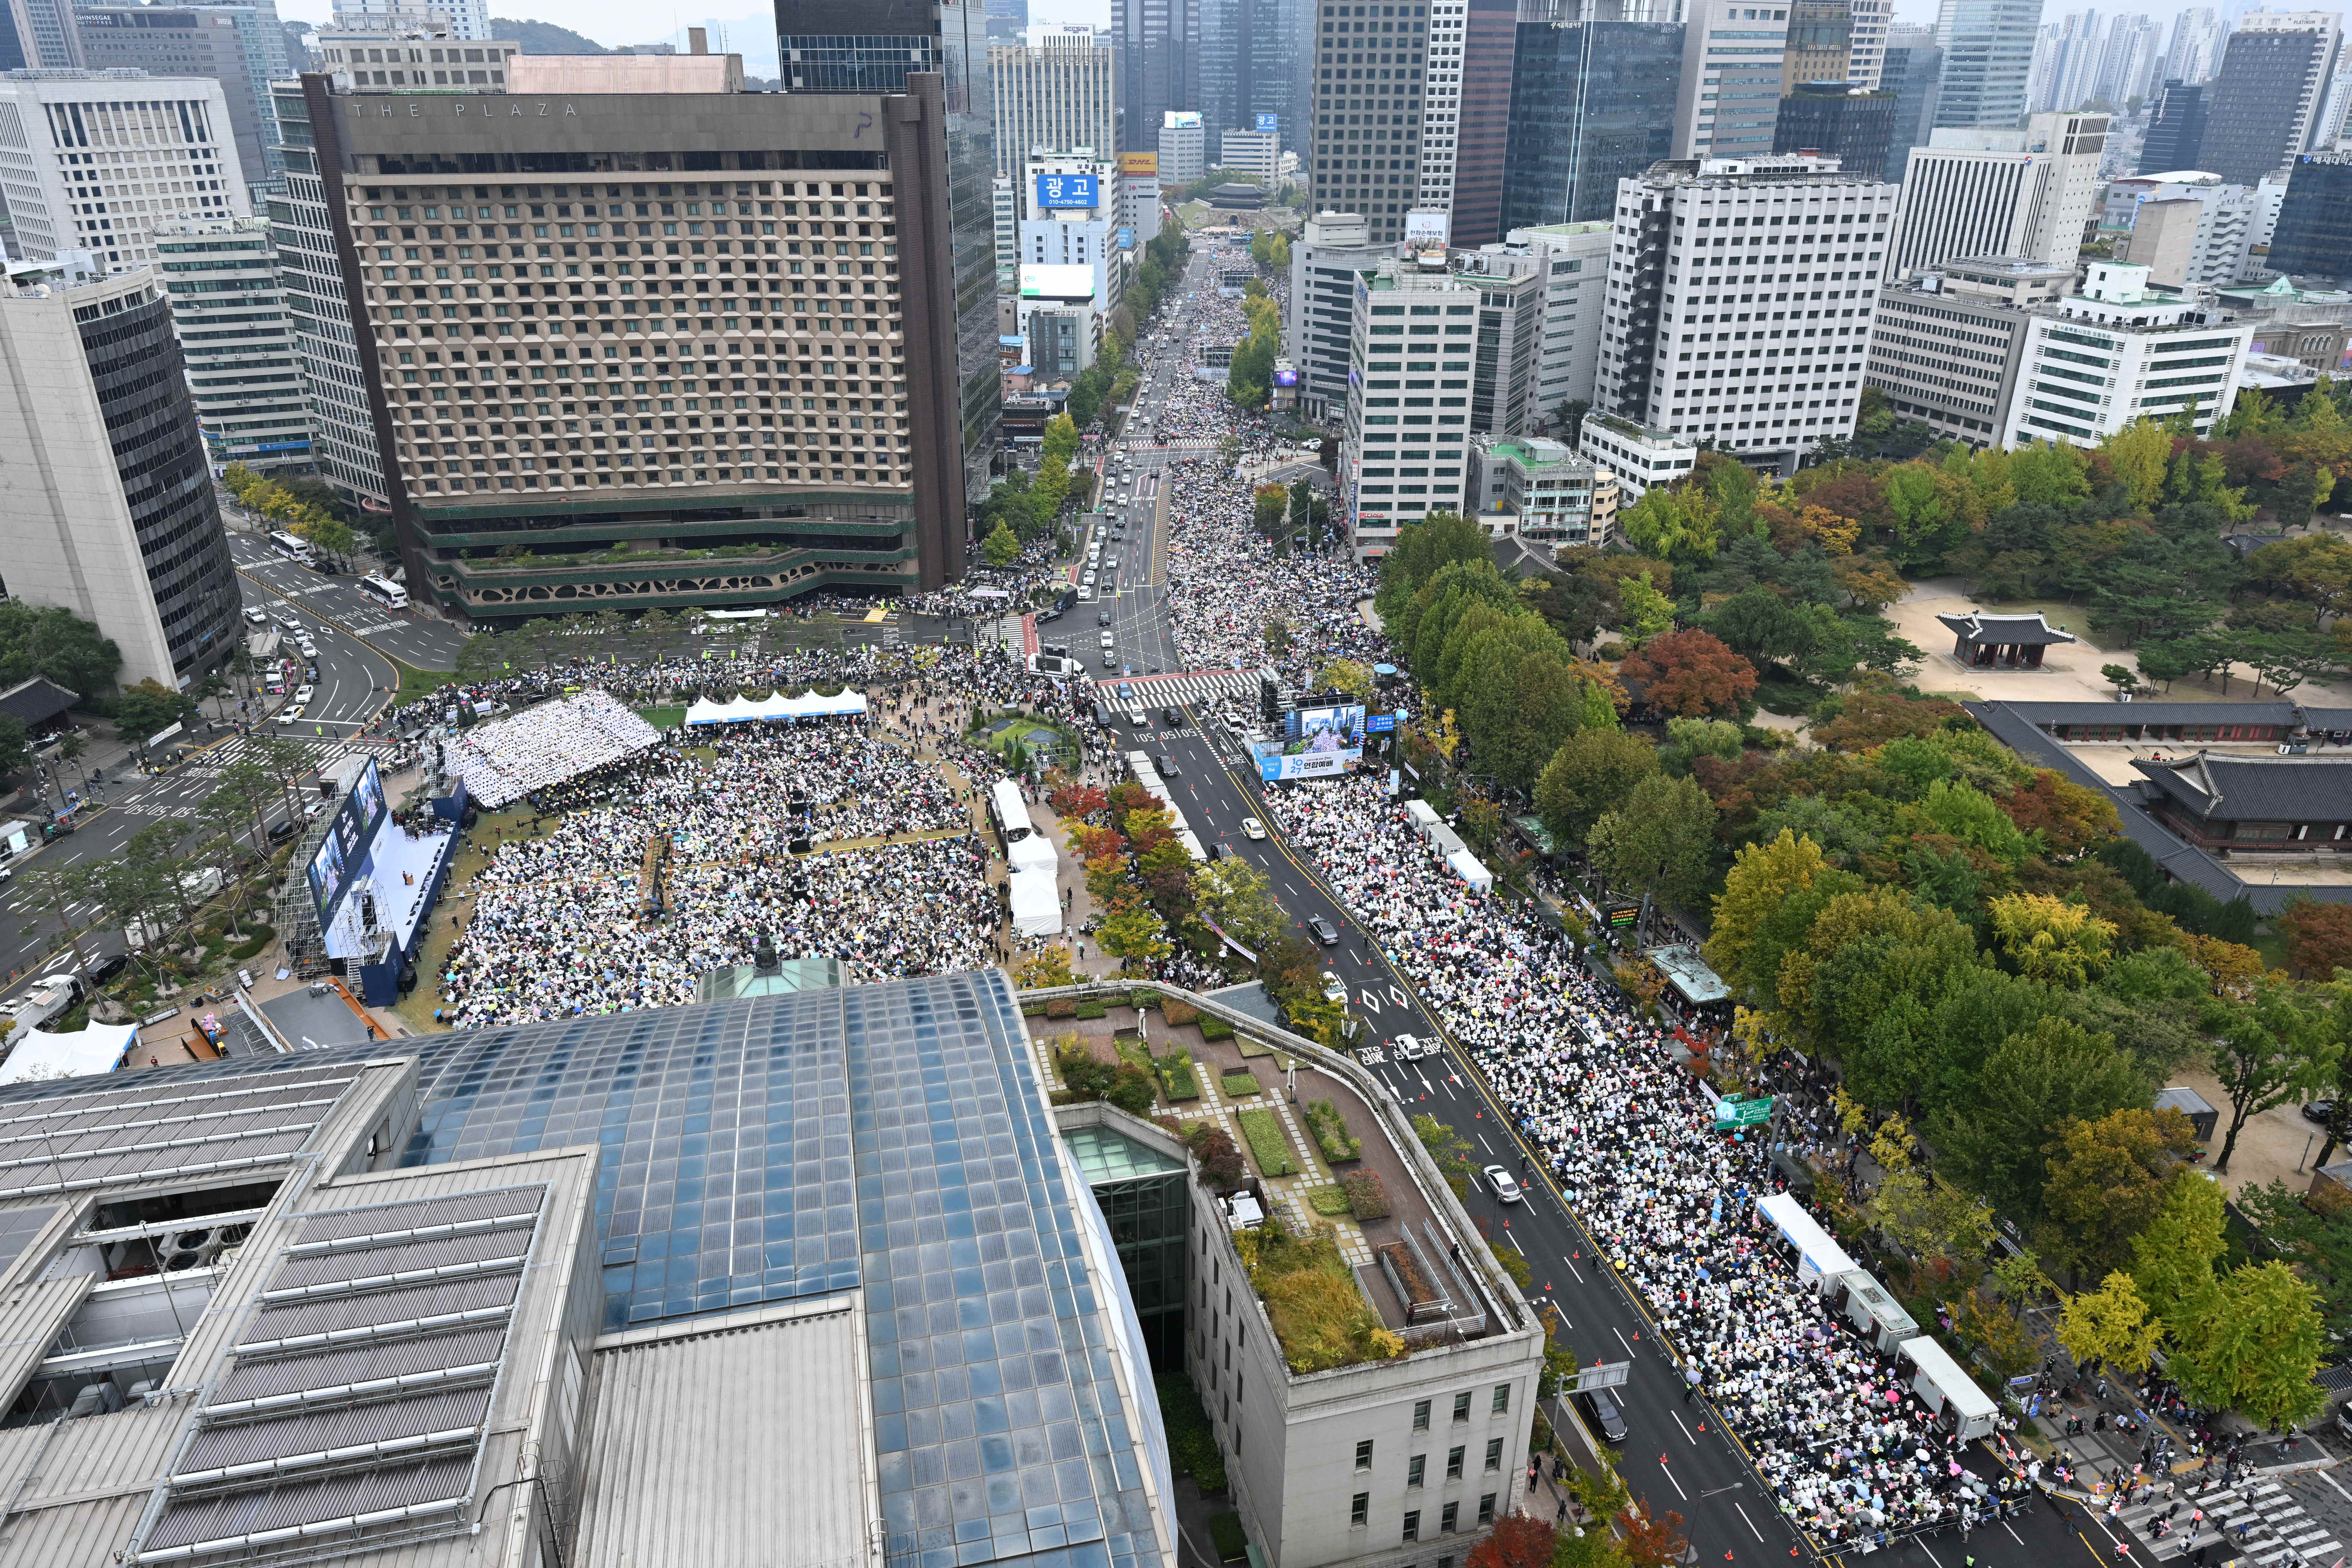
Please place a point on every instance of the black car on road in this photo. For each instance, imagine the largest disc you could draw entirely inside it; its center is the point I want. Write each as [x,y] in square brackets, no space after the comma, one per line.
[1601,1409]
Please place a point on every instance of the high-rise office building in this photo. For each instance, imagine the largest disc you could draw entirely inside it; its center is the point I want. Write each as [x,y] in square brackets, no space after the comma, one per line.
[1987,51]
[1158,46]
[2026,193]
[39,35]
[1872,21]
[1053,96]
[1574,260]
[1252,154]
[2150,356]
[696,388]
[1251,67]
[1467,125]
[1183,146]
[1007,20]
[1947,345]
[2267,100]
[1586,91]
[1368,111]
[1742,312]
[240,47]
[93,160]
[1837,120]
[1392,476]
[872,47]
[1073,220]
[2187,228]
[2194,53]
[318,314]
[1729,94]
[1331,252]
[2311,242]
[1914,73]
[110,510]
[2176,129]
[1820,43]
[463,19]
[229,313]
[430,56]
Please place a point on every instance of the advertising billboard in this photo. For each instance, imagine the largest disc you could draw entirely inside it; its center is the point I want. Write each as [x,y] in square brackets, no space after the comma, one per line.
[1427,230]
[1140,164]
[1285,378]
[345,851]
[1067,190]
[1268,124]
[1127,239]
[1181,119]
[1316,743]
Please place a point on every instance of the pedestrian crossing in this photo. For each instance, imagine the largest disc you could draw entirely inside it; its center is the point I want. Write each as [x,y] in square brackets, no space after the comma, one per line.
[250,749]
[2278,1532]
[1197,686]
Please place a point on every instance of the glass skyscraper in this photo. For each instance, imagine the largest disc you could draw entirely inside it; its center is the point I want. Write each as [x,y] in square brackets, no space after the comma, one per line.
[871,46]
[1591,103]
[1988,54]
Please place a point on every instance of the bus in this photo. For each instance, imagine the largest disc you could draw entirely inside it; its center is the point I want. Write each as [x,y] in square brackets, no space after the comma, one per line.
[292,547]
[384,591]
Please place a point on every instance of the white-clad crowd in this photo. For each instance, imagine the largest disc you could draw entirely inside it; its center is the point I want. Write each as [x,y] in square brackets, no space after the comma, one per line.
[1850,1450]
[510,757]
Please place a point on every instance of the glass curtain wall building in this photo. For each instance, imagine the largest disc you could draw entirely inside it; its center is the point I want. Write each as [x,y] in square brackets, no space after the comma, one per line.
[871,46]
[2312,241]
[1591,103]
[1988,54]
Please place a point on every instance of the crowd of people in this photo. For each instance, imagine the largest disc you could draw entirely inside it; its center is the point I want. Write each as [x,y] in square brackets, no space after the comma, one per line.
[1850,1450]
[507,759]
[558,924]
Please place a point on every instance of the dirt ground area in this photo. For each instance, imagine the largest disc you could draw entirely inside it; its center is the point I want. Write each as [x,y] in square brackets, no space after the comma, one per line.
[2274,1145]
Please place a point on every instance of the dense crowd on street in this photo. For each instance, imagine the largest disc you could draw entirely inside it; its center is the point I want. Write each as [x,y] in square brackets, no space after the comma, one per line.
[1849,1449]
[558,923]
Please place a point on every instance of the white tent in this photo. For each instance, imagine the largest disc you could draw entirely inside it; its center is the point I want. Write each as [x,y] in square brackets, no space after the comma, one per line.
[1034,852]
[776,707]
[1468,867]
[1036,902]
[39,1054]
[1948,1390]
[1423,815]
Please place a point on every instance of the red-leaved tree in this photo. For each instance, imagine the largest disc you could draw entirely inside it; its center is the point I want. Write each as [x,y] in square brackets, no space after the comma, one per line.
[2318,936]
[1518,1541]
[1692,674]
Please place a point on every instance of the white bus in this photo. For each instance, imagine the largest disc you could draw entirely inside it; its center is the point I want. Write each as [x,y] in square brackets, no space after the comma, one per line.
[384,591]
[296,548]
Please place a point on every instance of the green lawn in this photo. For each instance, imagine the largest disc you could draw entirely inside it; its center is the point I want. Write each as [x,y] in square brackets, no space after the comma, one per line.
[415,683]
[663,718]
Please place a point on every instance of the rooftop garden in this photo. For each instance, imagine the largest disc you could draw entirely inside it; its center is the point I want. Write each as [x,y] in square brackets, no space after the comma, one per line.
[1319,1312]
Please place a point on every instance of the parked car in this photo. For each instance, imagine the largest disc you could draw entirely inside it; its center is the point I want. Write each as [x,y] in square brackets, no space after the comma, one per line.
[1506,1187]
[1601,1409]
[1252,828]
[1166,764]
[2319,1111]
[1334,988]
[1221,851]
[1323,932]
[106,969]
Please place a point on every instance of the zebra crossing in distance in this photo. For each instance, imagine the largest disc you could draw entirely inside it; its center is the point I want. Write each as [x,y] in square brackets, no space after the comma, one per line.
[249,748]
[2281,1533]
[1198,685]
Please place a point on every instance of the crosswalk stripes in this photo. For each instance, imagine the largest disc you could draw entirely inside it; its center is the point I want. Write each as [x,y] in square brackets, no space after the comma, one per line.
[1198,685]
[2280,1533]
[245,747]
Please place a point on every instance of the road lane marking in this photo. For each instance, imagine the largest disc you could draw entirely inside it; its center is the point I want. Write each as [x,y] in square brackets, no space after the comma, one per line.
[1630,1353]
[1678,1421]
[1747,1521]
